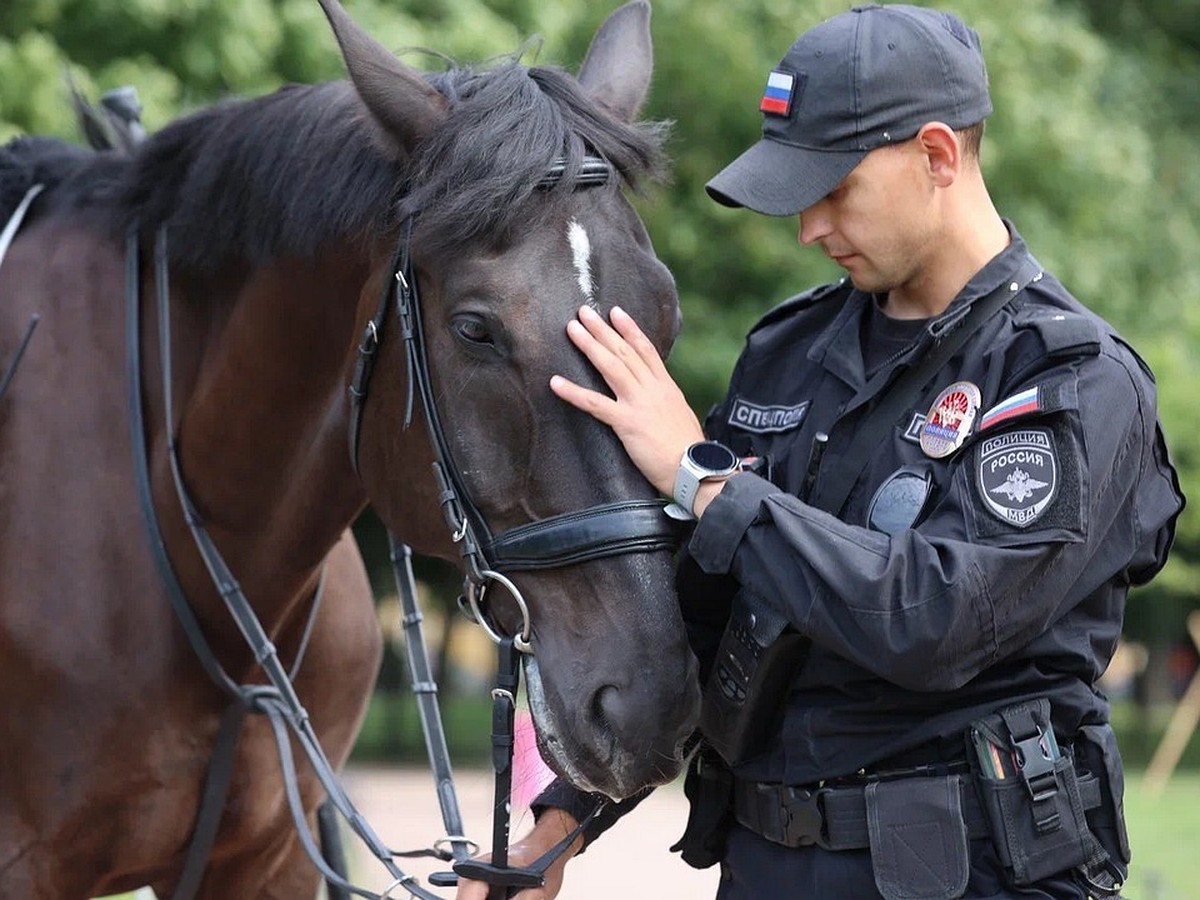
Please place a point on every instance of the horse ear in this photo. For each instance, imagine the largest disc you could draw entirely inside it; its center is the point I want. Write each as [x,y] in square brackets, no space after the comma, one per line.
[400,99]
[616,71]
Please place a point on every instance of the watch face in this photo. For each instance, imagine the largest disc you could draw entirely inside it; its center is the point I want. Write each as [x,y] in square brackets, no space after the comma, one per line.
[712,456]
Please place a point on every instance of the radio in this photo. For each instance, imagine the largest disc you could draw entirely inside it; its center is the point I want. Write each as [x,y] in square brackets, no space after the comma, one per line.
[743,699]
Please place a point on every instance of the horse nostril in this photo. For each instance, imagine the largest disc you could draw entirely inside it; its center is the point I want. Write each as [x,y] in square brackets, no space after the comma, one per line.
[605,702]
[615,712]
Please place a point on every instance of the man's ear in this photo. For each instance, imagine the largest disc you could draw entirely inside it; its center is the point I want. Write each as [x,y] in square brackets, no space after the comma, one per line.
[943,152]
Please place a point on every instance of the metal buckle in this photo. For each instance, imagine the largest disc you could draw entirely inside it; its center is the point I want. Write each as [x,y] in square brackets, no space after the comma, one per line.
[803,817]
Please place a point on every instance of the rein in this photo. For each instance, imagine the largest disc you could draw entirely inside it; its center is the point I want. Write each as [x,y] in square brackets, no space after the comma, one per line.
[277,701]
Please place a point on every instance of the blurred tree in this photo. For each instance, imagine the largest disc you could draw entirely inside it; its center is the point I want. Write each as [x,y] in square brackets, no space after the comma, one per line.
[1090,150]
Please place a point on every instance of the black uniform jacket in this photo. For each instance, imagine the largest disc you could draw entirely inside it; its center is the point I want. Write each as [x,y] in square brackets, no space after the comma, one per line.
[993,573]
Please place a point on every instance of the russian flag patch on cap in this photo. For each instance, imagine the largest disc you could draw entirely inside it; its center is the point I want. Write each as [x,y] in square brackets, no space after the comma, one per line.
[777,98]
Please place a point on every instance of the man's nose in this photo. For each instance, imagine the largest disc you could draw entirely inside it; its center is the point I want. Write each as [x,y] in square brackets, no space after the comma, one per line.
[814,224]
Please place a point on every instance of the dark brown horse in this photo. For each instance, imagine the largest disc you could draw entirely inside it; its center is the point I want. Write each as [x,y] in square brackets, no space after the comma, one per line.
[282,216]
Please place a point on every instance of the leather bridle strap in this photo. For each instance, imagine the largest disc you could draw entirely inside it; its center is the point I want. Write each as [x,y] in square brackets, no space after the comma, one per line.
[368,352]
[630,526]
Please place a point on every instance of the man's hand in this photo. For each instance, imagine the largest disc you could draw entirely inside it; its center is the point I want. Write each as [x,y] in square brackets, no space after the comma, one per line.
[648,411]
[552,826]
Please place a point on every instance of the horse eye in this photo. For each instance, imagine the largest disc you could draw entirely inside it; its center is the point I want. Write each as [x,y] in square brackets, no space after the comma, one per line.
[473,330]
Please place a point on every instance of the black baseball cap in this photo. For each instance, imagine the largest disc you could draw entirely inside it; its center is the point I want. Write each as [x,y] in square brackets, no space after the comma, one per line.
[866,78]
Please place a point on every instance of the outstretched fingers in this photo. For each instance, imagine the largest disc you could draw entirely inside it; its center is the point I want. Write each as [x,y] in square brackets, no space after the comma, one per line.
[647,411]
[635,338]
[609,352]
[591,402]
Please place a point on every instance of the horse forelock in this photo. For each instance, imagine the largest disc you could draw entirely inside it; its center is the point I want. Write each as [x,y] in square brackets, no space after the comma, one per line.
[472,178]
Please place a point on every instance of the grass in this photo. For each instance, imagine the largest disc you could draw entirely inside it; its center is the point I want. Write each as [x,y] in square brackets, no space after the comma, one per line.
[1162,832]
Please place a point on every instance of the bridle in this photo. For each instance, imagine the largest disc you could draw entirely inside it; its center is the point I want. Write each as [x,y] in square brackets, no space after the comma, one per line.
[565,539]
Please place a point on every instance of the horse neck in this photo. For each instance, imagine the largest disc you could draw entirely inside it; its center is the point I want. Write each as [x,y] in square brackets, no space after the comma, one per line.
[261,422]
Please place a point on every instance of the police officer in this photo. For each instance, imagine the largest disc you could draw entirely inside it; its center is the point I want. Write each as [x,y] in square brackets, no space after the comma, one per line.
[920,506]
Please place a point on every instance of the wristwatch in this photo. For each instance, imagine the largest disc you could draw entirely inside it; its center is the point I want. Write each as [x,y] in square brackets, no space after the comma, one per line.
[703,461]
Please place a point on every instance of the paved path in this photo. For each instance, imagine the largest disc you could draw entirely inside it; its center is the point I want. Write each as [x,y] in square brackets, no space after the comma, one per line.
[631,860]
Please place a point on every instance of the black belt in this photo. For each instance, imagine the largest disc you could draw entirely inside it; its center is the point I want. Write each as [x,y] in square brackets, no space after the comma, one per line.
[834,817]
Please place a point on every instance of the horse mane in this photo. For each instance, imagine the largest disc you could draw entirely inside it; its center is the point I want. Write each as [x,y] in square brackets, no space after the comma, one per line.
[26,161]
[283,174]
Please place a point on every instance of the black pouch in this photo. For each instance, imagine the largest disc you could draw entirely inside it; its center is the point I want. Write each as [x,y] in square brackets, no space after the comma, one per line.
[709,789]
[918,838]
[743,700]
[1031,795]
[1097,749]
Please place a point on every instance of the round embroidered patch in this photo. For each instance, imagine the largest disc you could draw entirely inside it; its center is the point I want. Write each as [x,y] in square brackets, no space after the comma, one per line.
[950,419]
[1018,475]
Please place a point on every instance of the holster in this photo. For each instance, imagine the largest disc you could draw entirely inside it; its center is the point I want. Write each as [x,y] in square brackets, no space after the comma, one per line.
[743,699]
[1030,791]
[708,786]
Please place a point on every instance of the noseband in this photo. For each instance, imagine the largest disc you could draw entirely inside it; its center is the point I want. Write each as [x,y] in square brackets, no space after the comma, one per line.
[565,539]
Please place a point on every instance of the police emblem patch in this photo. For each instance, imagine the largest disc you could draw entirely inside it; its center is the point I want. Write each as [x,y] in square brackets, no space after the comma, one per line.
[949,420]
[1018,475]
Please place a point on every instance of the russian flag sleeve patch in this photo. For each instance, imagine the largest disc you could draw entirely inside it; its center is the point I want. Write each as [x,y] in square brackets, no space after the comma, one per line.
[1021,404]
[777,98]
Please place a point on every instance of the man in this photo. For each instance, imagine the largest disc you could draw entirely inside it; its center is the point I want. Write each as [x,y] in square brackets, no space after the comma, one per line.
[951,473]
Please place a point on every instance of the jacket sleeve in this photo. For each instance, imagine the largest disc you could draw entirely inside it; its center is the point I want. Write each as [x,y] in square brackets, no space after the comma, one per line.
[930,607]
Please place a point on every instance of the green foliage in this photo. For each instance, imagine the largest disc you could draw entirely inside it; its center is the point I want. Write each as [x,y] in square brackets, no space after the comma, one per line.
[1090,151]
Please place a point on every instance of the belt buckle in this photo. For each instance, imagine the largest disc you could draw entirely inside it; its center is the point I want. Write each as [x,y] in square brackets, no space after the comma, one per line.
[803,817]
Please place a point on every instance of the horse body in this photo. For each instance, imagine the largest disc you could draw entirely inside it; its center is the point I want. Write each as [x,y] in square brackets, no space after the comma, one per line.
[110,721]
[277,260]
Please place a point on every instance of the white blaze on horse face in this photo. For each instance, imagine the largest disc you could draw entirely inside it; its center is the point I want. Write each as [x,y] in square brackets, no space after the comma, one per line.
[581,253]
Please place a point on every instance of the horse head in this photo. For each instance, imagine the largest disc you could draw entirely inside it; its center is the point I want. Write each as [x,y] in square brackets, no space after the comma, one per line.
[511,216]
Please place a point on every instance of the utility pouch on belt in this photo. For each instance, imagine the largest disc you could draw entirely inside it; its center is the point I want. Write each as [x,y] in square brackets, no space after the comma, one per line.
[918,838]
[742,702]
[1031,794]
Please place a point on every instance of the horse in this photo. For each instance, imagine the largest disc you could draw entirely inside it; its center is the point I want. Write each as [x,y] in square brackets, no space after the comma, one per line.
[276,223]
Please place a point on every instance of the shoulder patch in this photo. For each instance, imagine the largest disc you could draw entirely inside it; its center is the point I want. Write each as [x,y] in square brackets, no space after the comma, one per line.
[1053,395]
[1018,475]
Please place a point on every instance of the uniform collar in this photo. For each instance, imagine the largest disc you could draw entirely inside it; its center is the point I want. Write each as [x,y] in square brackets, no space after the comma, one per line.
[839,349]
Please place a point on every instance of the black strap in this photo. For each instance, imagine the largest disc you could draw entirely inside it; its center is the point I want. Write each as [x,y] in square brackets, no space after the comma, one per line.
[212,802]
[425,690]
[849,445]
[629,526]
